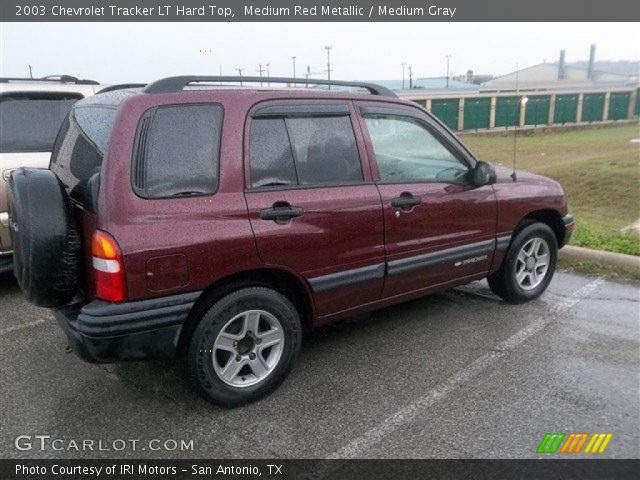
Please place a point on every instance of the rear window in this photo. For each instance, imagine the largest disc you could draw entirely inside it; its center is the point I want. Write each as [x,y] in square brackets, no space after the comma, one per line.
[29,121]
[176,151]
[79,149]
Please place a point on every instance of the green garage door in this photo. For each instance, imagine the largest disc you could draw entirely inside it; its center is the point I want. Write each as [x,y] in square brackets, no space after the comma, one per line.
[537,110]
[476,113]
[446,109]
[636,110]
[566,109]
[507,111]
[592,107]
[619,105]
[422,103]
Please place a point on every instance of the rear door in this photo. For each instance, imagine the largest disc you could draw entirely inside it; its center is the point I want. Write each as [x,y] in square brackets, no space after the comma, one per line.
[313,207]
[439,227]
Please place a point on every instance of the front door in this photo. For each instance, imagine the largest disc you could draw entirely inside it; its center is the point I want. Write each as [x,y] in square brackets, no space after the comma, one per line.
[313,207]
[439,226]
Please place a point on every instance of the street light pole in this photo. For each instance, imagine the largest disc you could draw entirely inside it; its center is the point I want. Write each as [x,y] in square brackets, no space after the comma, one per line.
[294,68]
[404,64]
[260,70]
[448,58]
[328,49]
[240,74]
[410,77]
[268,75]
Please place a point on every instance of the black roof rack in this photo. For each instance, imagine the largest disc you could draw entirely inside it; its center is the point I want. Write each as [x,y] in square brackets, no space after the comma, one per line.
[176,84]
[51,78]
[121,86]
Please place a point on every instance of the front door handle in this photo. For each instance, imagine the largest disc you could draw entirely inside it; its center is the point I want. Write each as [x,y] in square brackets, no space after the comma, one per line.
[280,213]
[405,201]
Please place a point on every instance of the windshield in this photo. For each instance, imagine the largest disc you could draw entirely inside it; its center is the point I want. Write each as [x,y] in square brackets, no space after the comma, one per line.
[29,121]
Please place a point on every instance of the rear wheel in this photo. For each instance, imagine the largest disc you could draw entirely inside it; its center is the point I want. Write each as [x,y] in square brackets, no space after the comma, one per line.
[243,346]
[528,266]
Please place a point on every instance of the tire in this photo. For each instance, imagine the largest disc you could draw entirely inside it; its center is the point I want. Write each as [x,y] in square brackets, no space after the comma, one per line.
[212,357]
[46,244]
[519,279]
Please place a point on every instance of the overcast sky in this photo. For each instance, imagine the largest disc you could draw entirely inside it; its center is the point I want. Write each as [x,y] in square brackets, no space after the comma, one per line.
[140,52]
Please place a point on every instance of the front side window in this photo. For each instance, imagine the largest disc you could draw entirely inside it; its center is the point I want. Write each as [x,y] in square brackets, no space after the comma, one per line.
[406,151]
[29,121]
[177,149]
[304,150]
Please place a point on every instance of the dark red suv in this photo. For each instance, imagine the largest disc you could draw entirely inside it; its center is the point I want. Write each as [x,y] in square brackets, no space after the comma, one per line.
[217,223]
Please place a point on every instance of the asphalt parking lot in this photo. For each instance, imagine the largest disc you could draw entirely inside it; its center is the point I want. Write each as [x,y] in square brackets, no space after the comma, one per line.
[453,375]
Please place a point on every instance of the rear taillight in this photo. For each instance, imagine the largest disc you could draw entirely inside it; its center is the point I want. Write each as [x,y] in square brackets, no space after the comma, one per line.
[108,268]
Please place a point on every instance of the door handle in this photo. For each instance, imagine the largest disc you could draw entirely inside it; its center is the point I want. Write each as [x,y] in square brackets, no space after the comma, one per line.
[405,201]
[280,213]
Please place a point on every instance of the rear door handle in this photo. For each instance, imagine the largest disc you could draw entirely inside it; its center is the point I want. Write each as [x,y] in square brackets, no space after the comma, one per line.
[405,201]
[280,213]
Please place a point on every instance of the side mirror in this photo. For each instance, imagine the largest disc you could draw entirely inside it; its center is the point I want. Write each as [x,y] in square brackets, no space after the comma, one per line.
[483,174]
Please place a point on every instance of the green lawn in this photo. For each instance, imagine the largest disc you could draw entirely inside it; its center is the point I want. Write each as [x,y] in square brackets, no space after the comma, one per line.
[599,169]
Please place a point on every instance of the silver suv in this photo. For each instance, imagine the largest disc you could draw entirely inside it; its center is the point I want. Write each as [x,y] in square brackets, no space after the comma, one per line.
[31,112]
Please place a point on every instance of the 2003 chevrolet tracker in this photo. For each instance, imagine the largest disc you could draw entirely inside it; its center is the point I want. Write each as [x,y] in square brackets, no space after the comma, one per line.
[215,224]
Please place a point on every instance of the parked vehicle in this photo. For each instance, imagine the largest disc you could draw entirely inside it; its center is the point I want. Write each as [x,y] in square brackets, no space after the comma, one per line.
[31,111]
[217,223]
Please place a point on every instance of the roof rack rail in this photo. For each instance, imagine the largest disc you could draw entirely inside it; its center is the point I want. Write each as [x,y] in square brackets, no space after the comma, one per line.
[176,84]
[121,86]
[51,78]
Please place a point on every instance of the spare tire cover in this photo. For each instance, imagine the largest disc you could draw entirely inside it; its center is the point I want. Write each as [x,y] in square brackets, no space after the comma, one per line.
[46,245]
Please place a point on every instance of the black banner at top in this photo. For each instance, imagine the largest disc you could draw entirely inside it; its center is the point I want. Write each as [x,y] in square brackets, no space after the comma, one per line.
[318,11]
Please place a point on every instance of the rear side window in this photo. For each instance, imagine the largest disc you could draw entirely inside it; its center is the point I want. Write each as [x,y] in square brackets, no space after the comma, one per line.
[176,152]
[29,121]
[79,149]
[304,150]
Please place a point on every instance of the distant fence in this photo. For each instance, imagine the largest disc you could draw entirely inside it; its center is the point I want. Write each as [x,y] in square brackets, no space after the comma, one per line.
[504,110]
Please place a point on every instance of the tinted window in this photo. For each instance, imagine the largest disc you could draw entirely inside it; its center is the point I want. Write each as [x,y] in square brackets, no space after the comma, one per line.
[29,122]
[79,149]
[406,151]
[271,156]
[177,151]
[304,151]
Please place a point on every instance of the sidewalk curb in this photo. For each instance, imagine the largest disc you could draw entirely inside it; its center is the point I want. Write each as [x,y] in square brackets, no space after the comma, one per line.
[621,260]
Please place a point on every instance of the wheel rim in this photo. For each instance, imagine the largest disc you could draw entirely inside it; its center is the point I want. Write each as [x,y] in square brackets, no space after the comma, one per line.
[532,263]
[248,348]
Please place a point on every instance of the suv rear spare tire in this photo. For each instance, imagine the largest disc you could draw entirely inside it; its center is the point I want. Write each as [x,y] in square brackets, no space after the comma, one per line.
[44,237]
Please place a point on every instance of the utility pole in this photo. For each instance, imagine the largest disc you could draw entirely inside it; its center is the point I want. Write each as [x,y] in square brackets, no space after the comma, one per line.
[260,70]
[294,68]
[404,64]
[268,75]
[448,58]
[328,49]
[30,71]
[240,74]
[410,77]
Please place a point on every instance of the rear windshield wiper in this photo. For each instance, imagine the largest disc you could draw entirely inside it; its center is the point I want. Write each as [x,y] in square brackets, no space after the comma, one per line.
[274,184]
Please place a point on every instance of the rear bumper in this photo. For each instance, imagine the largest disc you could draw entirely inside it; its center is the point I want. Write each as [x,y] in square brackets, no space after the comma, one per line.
[568,229]
[111,332]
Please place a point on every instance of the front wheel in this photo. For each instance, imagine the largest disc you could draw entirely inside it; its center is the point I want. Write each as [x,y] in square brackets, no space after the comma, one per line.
[244,346]
[528,266]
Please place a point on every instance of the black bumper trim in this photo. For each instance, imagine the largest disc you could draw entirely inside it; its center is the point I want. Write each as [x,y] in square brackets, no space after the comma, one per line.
[106,332]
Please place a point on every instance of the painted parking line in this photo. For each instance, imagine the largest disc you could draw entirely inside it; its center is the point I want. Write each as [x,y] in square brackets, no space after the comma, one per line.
[357,447]
[22,326]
